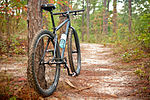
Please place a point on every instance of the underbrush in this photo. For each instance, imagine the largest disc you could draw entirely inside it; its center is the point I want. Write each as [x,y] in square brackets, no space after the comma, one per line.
[11,46]
[15,88]
[143,72]
[135,51]
[5,92]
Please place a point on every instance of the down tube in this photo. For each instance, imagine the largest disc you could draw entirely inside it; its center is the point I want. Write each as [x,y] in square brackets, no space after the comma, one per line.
[67,30]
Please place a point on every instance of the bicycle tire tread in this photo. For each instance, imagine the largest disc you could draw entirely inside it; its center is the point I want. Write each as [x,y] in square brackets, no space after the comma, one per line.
[31,80]
[70,50]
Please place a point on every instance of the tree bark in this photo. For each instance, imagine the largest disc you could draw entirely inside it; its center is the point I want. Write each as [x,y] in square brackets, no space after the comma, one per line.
[34,15]
[105,29]
[114,20]
[34,19]
[88,20]
[82,29]
[130,16]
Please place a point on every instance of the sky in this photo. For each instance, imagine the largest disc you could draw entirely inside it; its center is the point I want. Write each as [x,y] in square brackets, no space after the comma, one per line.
[119,6]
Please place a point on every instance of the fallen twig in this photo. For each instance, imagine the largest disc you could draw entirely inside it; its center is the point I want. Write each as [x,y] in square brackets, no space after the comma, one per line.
[70,84]
[83,89]
[78,90]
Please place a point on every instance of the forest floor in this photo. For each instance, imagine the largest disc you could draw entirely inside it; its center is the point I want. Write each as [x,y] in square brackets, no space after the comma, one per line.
[103,76]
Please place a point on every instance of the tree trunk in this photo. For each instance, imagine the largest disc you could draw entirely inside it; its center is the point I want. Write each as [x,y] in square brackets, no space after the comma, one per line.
[114,20]
[105,29]
[108,5]
[34,19]
[34,15]
[107,15]
[88,20]
[82,29]
[7,27]
[63,29]
[130,17]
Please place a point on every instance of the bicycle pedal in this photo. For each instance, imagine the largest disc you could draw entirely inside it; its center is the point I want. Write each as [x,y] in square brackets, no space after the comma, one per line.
[74,74]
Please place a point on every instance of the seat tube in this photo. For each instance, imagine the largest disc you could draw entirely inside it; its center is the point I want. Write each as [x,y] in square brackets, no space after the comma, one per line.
[52,18]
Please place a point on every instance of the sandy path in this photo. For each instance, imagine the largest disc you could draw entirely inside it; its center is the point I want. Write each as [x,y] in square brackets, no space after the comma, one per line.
[99,77]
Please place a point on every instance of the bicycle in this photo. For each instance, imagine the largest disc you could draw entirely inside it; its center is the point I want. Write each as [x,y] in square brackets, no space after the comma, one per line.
[45,57]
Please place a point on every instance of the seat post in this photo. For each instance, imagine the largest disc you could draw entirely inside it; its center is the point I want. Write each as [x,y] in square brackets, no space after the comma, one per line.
[52,19]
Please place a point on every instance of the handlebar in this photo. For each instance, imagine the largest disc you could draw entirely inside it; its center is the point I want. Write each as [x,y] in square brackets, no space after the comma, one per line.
[73,11]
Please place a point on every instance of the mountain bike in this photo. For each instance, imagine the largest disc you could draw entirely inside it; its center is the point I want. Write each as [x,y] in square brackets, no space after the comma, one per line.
[46,54]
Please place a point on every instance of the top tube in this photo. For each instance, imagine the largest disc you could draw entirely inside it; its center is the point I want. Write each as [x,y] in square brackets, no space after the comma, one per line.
[73,11]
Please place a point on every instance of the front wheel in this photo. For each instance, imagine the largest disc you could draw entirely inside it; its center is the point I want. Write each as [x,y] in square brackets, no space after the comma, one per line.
[74,54]
[43,76]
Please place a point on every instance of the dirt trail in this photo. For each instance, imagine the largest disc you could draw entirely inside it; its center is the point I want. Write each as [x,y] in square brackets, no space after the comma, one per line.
[99,77]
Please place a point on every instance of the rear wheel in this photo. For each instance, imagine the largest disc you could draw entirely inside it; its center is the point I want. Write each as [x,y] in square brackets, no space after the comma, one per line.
[74,54]
[43,76]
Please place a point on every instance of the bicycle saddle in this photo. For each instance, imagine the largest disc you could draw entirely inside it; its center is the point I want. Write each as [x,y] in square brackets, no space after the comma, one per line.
[48,7]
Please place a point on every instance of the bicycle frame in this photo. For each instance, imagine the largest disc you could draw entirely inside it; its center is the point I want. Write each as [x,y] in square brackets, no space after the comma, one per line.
[55,29]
